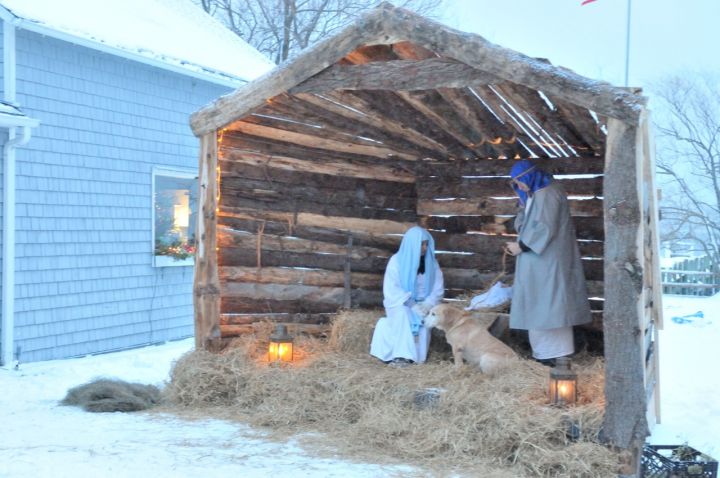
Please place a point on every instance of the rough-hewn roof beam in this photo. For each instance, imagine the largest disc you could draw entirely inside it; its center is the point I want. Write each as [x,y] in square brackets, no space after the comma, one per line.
[399,75]
[535,73]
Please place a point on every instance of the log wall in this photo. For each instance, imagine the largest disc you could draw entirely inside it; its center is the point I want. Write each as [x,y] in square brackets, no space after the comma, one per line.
[283,228]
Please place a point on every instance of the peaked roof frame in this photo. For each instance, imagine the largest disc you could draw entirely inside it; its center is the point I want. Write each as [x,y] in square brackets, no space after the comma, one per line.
[389,24]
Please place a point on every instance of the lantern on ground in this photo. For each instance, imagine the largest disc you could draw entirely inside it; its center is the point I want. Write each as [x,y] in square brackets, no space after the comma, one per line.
[563,383]
[281,345]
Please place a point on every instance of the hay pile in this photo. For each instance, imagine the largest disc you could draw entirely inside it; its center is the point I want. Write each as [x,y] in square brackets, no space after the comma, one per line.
[110,395]
[492,425]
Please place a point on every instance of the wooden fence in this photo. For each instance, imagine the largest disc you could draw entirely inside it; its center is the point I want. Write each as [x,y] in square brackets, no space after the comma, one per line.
[691,277]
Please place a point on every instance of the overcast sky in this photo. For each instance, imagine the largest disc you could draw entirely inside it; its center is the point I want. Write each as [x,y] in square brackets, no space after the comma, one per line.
[666,36]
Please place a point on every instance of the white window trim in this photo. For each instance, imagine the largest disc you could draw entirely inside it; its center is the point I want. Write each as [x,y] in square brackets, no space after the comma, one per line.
[165,261]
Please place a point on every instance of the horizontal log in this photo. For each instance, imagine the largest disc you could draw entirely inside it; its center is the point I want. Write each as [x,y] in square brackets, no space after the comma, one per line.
[281,177]
[396,75]
[587,228]
[292,328]
[230,238]
[335,236]
[247,319]
[300,191]
[493,206]
[501,167]
[289,205]
[371,226]
[441,187]
[307,163]
[294,292]
[284,275]
[317,141]
[494,244]
[463,279]
[236,256]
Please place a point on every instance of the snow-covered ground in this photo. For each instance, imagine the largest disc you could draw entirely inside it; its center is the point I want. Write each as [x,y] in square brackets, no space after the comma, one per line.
[689,378]
[42,439]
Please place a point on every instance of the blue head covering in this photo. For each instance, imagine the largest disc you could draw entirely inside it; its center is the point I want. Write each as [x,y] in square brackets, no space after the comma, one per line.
[527,173]
[409,262]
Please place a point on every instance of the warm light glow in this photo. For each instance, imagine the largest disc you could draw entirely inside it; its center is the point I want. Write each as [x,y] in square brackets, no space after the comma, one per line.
[280,352]
[181,214]
[563,384]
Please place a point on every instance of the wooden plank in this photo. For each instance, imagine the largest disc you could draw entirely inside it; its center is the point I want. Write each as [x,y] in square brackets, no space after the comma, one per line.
[247,319]
[435,108]
[274,176]
[398,75]
[436,187]
[494,244]
[237,256]
[302,192]
[581,121]
[206,287]
[335,236]
[338,167]
[625,423]
[501,137]
[285,275]
[273,298]
[319,112]
[355,109]
[501,167]
[320,141]
[291,205]
[558,131]
[388,104]
[293,329]
[587,228]
[231,238]
[370,226]
[493,206]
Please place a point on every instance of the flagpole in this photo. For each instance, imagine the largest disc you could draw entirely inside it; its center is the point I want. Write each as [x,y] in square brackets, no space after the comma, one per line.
[627,43]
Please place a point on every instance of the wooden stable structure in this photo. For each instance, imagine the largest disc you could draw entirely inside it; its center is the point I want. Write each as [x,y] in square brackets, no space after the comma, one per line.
[310,174]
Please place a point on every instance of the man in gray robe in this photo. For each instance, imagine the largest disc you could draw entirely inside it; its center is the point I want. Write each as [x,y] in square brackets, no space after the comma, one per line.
[549,293]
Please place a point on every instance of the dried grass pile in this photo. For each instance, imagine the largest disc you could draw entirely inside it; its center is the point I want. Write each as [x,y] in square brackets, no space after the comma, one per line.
[109,395]
[492,425]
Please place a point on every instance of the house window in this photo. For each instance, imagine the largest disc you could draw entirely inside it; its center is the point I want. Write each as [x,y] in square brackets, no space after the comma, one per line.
[174,217]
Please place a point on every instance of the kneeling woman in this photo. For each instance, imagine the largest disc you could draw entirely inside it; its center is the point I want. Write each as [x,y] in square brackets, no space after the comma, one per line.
[413,284]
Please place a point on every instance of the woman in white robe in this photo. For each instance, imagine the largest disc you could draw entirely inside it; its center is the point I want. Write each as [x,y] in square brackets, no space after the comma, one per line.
[549,292]
[413,284]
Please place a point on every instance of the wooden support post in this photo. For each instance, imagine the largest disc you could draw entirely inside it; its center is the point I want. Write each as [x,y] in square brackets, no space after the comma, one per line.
[625,423]
[206,282]
[347,299]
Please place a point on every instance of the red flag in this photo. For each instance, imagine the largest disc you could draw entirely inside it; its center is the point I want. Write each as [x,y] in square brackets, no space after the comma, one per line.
[585,2]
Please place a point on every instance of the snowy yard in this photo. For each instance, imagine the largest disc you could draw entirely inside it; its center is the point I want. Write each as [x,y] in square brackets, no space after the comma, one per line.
[43,439]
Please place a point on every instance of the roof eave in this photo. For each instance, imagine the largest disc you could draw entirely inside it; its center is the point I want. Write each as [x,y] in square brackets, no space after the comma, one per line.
[219,78]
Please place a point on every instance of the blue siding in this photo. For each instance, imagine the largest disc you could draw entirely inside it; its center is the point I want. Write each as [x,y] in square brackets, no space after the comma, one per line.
[85,281]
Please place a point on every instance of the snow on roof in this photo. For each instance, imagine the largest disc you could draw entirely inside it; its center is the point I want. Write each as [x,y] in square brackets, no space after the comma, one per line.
[175,32]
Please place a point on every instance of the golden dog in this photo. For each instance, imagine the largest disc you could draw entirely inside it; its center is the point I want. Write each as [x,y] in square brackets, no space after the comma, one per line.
[469,339]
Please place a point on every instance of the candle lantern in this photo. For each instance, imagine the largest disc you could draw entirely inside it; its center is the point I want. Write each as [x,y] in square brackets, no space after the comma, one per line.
[281,345]
[563,383]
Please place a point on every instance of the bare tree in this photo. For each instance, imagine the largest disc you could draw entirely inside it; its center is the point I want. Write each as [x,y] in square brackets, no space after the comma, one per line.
[282,28]
[688,160]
